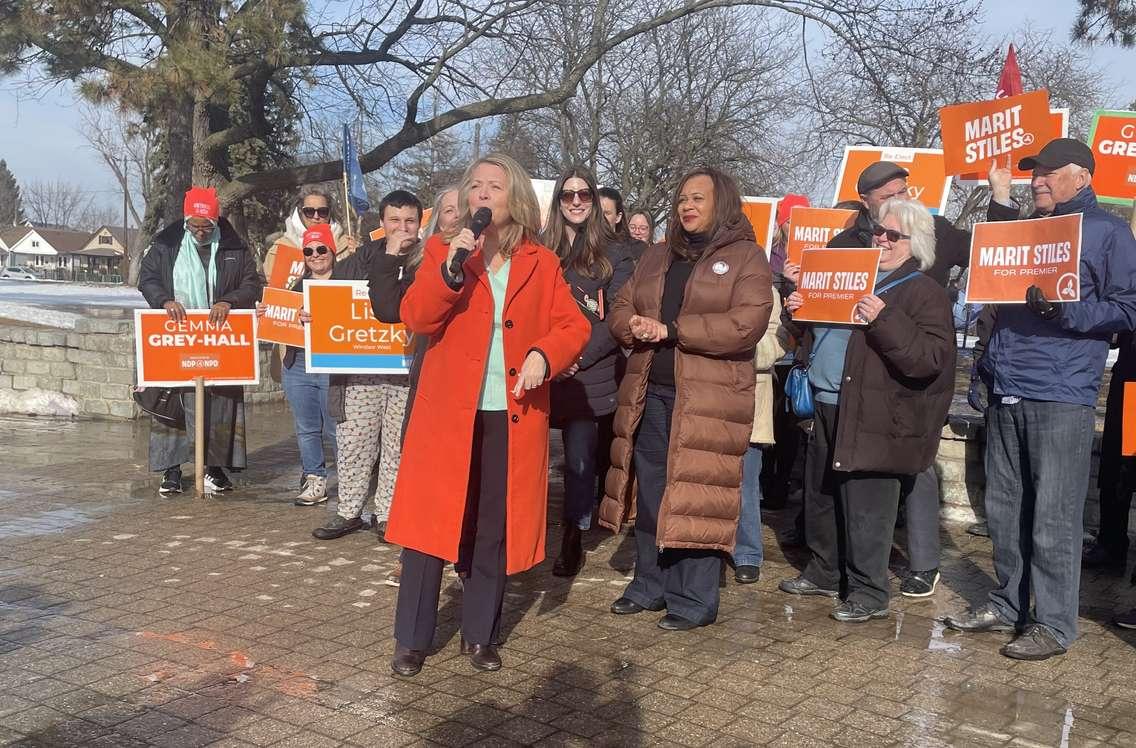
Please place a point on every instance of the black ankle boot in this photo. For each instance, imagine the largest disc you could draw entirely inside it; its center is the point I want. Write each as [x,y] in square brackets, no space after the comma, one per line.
[571,558]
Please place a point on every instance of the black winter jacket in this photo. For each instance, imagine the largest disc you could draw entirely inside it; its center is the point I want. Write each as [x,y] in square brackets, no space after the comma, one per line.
[238,281]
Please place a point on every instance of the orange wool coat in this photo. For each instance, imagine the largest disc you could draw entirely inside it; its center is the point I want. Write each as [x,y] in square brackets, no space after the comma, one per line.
[540,313]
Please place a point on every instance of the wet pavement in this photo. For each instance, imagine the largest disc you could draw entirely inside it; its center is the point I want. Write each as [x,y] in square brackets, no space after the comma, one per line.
[131,620]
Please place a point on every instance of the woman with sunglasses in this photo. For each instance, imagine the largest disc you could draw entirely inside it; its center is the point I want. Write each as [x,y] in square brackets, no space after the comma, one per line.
[473,483]
[315,205]
[200,262]
[307,394]
[881,389]
[595,265]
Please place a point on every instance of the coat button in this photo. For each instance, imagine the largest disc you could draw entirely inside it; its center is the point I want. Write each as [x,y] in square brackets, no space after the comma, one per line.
[512,372]
[847,379]
[514,418]
[835,464]
[509,324]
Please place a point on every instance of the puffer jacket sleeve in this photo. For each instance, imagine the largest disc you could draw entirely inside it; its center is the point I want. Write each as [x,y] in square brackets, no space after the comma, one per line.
[247,293]
[569,329]
[917,338]
[738,329]
[622,310]
[602,342]
[1115,311]
[429,302]
[150,280]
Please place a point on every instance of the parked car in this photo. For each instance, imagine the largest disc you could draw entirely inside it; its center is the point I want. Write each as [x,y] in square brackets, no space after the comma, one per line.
[18,273]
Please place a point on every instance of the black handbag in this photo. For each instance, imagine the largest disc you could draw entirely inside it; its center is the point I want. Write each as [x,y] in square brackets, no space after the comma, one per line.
[164,403]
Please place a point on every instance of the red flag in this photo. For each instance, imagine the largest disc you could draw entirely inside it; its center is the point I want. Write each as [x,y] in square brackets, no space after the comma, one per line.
[1010,81]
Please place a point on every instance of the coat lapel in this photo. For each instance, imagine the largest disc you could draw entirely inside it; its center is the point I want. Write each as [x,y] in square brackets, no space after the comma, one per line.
[522,267]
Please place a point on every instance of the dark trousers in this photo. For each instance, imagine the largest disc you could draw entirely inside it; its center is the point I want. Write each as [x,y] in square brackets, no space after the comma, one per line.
[685,580]
[921,496]
[580,437]
[849,521]
[1115,472]
[481,551]
[1037,474]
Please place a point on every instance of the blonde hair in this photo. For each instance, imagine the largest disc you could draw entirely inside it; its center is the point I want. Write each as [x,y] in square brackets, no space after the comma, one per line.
[523,207]
[436,212]
[916,222]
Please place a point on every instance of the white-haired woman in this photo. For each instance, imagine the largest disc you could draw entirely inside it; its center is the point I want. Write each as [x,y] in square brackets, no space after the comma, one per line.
[882,390]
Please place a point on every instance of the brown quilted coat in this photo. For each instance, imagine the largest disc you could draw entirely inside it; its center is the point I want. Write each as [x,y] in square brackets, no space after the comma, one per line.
[724,313]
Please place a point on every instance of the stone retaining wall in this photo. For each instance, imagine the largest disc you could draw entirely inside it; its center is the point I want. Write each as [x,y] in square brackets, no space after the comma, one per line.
[93,365]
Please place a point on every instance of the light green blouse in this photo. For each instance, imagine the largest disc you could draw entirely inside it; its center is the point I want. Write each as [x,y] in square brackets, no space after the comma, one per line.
[494,388]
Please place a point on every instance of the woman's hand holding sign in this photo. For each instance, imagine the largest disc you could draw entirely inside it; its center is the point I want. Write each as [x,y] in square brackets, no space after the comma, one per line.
[219,312]
[794,302]
[868,308]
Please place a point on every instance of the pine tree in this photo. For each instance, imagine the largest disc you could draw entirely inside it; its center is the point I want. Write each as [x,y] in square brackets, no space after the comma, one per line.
[11,208]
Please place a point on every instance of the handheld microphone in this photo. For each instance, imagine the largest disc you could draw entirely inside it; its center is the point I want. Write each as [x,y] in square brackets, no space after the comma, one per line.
[481,219]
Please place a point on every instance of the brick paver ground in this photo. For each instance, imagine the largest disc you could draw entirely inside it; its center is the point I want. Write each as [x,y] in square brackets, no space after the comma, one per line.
[129,620]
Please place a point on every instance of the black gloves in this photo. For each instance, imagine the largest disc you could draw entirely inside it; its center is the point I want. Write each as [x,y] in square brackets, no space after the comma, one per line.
[1041,306]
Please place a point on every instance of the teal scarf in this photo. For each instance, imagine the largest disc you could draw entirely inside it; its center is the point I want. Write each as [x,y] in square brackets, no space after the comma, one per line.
[190,285]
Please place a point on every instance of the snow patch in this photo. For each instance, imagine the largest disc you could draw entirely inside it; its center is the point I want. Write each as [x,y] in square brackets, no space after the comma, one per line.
[37,402]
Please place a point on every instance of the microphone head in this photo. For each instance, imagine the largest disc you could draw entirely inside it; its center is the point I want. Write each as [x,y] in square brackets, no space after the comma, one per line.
[481,218]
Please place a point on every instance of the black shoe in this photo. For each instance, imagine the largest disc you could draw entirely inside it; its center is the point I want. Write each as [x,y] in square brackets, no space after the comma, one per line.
[337,527]
[984,618]
[1126,620]
[920,583]
[380,529]
[979,529]
[671,622]
[171,482]
[216,481]
[747,574]
[407,662]
[571,558]
[484,657]
[852,612]
[625,606]
[801,586]
[1035,643]
[1101,556]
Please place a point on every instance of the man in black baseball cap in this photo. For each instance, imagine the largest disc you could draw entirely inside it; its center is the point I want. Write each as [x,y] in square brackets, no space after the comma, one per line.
[1042,368]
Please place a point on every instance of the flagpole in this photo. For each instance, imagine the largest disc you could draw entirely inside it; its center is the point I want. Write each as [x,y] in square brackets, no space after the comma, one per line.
[346,203]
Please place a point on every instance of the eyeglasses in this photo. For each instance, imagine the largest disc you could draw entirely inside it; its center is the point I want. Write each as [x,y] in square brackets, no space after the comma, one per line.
[323,212]
[892,234]
[320,250]
[585,196]
[200,228]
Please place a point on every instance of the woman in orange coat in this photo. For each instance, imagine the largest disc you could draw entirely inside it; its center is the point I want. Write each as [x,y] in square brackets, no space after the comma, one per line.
[473,484]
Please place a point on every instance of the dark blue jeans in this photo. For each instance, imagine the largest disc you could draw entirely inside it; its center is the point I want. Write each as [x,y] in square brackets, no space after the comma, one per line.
[580,439]
[307,396]
[748,550]
[1037,475]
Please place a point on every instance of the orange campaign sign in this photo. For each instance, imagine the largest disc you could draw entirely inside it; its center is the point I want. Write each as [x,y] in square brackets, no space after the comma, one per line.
[173,354]
[281,320]
[1007,257]
[344,337]
[833,281]
[762,215]
[814,227]
[1058,128]
[1113,140]
[287,267]
[1128,421]
[1006,129]
[927,180]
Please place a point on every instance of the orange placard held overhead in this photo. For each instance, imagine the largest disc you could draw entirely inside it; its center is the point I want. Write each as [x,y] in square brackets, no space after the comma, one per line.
[281,320]
[1113,140]
[1008,257]
[927,181]
[172,354]
[287,267]
[1058,128]
[814,227]
[833,281]
[1128,421]
[344,337]
[761,212]
[1004,129]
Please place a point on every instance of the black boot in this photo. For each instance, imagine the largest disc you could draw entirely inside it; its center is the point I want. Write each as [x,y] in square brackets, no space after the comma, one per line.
[571,558]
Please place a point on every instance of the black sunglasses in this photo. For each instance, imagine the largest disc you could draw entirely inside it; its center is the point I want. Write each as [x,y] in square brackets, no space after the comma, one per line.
[585,196]
[320,250]
[892,234]
[313,212]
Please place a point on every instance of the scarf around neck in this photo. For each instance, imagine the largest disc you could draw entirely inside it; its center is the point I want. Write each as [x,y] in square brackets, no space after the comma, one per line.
[191,287]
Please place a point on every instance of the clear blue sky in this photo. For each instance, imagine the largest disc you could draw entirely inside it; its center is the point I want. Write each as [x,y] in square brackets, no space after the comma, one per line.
[40,141]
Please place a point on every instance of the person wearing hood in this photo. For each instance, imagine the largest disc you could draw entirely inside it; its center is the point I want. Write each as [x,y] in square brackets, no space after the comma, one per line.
[692,314]
[197,263]
[1042,368]
[314,206]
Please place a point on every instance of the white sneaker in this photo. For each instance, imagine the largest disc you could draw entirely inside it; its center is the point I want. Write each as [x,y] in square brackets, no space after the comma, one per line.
[314,491]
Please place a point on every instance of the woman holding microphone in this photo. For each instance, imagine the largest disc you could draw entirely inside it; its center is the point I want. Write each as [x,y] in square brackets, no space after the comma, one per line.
[473,484]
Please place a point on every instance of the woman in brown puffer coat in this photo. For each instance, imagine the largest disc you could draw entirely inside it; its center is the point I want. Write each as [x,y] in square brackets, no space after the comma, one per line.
[692,313]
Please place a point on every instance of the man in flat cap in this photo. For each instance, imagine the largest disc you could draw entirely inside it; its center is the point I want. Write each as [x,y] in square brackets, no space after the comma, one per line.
[1042,367]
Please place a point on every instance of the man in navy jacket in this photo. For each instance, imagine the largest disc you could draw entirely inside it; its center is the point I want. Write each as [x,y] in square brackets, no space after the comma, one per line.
[1043,368]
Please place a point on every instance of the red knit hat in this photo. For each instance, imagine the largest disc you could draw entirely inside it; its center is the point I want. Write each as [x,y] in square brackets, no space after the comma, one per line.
[786,204]
[201,202]
[320,233]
